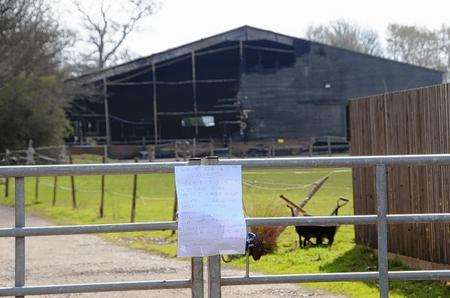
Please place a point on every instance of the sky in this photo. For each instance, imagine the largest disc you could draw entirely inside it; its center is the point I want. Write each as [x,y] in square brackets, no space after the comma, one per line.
[181,21]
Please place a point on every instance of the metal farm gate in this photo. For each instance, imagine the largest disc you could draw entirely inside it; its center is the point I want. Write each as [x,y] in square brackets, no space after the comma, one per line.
[215,280]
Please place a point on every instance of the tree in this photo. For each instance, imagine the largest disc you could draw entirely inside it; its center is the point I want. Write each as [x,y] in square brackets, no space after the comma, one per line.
[444,37]
[31,108]
[415,45]
[30,40]
[32,95]
[347,35]
[109,27]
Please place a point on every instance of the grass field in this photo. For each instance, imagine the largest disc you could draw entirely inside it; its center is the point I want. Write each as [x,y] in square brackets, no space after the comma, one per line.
[261,190]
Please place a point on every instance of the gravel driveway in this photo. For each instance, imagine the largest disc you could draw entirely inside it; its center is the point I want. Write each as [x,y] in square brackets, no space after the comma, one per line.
[88,258]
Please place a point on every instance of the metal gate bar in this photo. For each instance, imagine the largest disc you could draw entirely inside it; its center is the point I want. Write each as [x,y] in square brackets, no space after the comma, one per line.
[96,287]
[382,219]
[251,221]
[19,250]
[327,277]
[380,183]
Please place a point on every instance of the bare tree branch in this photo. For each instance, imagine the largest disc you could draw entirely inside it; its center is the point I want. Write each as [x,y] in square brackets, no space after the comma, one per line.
[347,35]
[415,45]
[107,33]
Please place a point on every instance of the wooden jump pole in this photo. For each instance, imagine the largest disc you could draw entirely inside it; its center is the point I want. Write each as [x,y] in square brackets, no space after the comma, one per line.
[133,198]
[72,183]
[102,193]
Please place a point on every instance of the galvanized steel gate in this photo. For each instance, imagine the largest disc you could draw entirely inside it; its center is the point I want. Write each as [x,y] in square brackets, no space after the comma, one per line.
[215,280]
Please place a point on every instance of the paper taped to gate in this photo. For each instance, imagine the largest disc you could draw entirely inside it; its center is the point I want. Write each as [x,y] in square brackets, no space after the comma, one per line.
[210,213]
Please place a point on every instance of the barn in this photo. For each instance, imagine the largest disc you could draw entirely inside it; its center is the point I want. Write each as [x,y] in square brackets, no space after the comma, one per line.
[243,84]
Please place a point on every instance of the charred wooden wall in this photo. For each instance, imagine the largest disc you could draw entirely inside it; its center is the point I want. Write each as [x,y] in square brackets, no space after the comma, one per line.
[408,122]
[284,88]
[308,97]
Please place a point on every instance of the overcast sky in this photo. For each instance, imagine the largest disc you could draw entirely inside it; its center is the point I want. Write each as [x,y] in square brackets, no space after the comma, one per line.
[181,21]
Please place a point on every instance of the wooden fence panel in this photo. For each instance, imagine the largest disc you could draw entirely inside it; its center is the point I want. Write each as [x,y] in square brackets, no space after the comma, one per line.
[406,122]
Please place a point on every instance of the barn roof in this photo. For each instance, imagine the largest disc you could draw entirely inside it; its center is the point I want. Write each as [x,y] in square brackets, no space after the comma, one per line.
[244,33]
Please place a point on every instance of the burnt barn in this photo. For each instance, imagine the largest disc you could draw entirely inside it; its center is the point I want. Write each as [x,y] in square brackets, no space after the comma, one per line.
[243,84]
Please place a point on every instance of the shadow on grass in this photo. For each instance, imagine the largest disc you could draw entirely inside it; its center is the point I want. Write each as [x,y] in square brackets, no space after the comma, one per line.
[361,259]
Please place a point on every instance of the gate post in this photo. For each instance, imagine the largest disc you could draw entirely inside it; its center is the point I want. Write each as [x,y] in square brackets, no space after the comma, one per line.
[214,274]
[380,184]
[197,277]
[19,257]
[196,262]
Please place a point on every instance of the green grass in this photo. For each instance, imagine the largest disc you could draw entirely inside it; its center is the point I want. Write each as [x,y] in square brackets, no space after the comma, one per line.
[155,203]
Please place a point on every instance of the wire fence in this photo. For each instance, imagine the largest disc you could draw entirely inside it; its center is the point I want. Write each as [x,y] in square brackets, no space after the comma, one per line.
[60,155]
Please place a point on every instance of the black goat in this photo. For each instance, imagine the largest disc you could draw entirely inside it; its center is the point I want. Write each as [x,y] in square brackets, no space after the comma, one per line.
[305,233]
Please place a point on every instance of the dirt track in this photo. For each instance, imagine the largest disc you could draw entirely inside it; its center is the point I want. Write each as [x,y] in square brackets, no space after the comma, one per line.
[88,258]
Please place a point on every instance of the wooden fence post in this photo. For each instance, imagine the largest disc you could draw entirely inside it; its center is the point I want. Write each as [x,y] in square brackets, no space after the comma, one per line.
[175,208]
[151,153]
[211,148]
[55,187]
[36,190]
[105,151]
[6,187]
[177,157]
[31,161]
[30,153]
[191,162]
[133,199]
[102,193]
[311,146]
[194,147]
[272,148]
[61,159]
[72,182]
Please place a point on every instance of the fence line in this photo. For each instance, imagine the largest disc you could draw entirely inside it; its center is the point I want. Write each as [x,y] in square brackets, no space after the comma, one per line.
[408,122]
[215,279]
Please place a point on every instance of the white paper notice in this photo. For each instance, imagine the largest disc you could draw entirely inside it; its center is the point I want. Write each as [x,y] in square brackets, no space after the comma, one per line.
[210,212]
